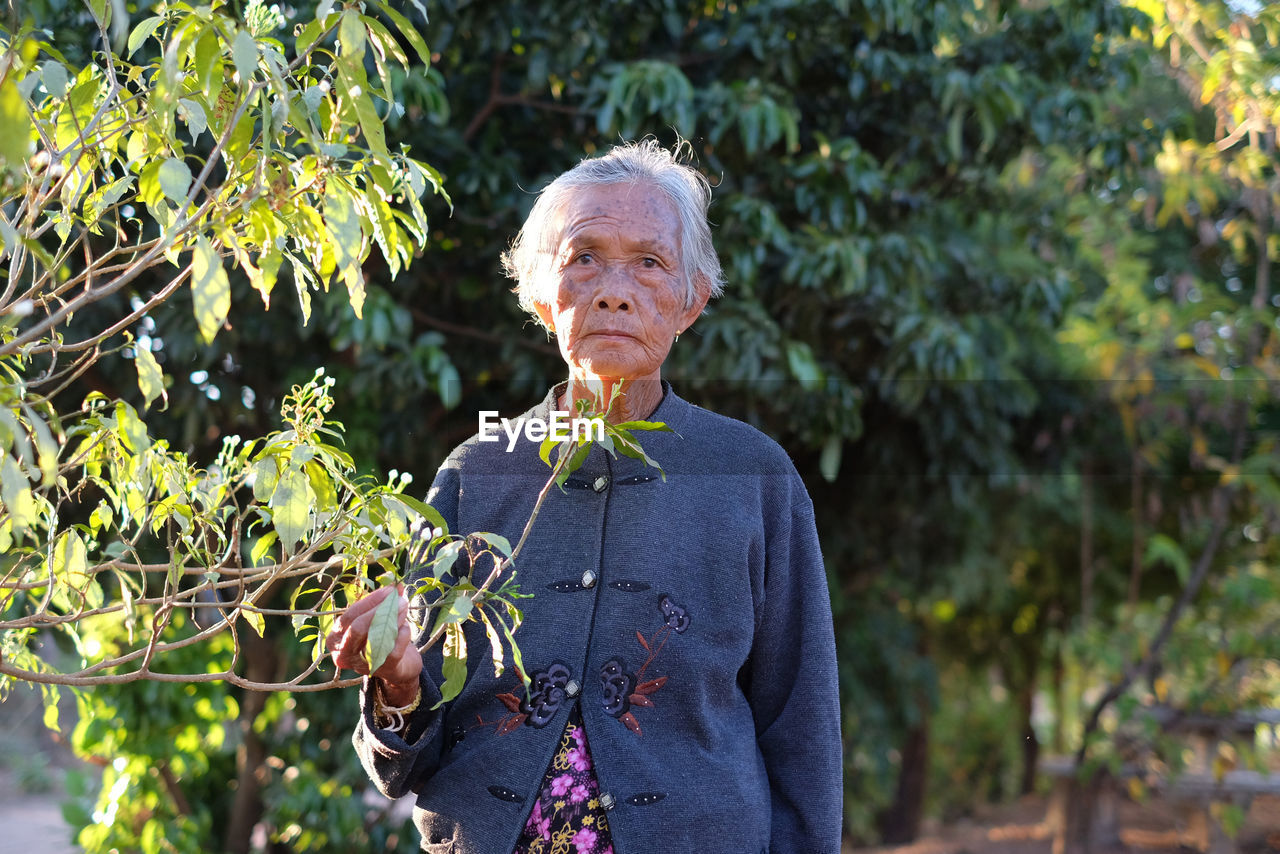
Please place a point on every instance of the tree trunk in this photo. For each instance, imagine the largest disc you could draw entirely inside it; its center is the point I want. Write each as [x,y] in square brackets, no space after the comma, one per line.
[899,823]
[1139,544]
[260,666]
[1030,746]
[1086,544]
[1090,826]
[1059,700]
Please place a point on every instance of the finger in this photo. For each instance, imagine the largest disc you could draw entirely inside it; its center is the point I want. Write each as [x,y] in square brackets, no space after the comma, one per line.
[366,604]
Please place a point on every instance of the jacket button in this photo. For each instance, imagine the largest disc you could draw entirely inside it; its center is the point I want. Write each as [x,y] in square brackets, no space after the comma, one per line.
[601,483]
[572,688]
[589,579]
[607,801]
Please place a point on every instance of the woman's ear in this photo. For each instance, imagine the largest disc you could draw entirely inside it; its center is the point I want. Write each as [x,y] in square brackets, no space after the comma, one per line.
[701,294]
[544,314]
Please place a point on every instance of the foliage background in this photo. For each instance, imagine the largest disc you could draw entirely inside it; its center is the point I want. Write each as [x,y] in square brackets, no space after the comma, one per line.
[999,281]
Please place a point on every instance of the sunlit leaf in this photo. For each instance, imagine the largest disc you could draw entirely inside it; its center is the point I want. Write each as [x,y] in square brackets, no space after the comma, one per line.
[211,291]
[383,631]
[150,377]
[455,663]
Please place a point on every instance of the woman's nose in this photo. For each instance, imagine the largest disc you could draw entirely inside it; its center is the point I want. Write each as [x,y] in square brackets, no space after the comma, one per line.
[612,294]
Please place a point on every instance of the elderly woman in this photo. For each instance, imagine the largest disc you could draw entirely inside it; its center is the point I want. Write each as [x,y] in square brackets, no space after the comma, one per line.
[679,644]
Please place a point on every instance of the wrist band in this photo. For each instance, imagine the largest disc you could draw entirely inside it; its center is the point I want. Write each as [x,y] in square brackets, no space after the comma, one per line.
[394,715]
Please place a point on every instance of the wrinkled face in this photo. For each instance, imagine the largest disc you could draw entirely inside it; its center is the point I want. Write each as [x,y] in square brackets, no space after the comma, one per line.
[617,299]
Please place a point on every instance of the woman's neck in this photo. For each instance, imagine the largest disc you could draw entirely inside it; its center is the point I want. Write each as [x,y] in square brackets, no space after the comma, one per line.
[636,401]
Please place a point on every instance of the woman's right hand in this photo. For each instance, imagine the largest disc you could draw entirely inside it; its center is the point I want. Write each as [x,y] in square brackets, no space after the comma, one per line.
[346,643]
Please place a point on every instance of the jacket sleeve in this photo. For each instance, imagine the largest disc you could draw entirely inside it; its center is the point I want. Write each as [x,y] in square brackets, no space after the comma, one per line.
[398,763]
[793,686]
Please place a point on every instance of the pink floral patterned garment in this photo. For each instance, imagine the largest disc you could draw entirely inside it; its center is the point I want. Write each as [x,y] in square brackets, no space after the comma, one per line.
[567,817]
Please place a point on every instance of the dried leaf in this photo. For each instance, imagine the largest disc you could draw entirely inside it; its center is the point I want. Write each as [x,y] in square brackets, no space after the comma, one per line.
[647,688]
[511,702]
[511,724]
[641,700]
[629,720]
[644,643]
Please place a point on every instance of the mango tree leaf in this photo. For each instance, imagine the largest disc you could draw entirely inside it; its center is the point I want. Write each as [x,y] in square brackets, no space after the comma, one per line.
[175,180]
[54,76]
[455,663]
[254,619]
[383,631]
[428,513]
[497,541]
[211,291]
[1162,548]
[69,560]
[829,464]
[445,557]
[291,507]
[261,548]
[244,53]
[15,491]
[495,642]
[132,430]
[150,377]
[142,32]
[455,609]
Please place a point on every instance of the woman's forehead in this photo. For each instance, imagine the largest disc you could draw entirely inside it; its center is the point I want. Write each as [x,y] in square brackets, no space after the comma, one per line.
[641,211]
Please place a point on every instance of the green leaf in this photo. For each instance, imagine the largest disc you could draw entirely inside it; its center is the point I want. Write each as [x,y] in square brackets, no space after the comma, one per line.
[456,608]
[262,547]
[211,291]
[254,619]
[645,425]
[101,10]
[150,377]
[829,464]
[346,236]
[132,431]
[15,491]
[495,642]
[175,180]
[497,541]
[14,118]
[54,76]
[455,663]
[383,631]
[291,508]
[69,560]
[409,32]
[544,450]
[51,717]
[428,513]
[445,557]
[575,462]
[517,659]
[193,114]
[1162,548]
[142,32]
[266,472]
[244,53]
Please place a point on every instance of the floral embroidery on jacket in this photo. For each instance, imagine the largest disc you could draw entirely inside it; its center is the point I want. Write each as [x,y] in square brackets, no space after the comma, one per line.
[620,689]
[547,692]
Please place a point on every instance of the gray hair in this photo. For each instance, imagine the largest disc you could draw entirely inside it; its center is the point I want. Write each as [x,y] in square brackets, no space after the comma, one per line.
[533,252]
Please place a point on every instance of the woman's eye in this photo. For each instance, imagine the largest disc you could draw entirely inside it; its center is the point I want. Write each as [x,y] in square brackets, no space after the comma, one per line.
[650,262]
[584,258]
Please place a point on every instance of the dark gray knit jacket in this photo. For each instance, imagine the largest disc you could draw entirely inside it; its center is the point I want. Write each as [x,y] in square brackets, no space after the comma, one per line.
[690,619]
